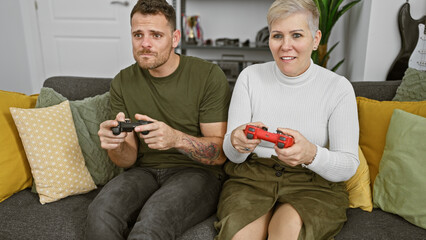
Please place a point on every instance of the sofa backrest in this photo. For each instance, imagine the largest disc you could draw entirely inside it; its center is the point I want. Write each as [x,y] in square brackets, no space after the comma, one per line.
[76,88]
[382,91]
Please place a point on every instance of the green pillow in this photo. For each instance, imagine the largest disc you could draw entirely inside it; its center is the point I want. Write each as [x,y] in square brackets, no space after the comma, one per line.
[413,86]
[87,115]
[400,185]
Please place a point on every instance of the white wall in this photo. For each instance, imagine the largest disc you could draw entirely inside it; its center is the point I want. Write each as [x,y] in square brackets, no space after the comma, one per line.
[14,63]
[374,39]
[368,34]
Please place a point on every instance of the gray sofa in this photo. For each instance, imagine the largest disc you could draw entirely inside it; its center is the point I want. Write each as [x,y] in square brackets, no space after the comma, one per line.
[23,217]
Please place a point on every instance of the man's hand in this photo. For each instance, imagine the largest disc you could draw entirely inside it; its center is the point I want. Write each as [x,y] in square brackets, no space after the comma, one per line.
[240,141]
[161,136]
[110,141]
[302,151]
[122,148]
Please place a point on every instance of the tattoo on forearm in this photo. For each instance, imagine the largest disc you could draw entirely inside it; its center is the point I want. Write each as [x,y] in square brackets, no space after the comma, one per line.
[205,153]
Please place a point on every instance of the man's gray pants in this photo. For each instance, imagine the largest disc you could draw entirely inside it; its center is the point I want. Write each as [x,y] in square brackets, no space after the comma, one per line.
[152,204]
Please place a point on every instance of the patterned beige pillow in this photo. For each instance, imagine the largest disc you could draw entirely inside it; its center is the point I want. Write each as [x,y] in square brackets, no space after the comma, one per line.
[50,142]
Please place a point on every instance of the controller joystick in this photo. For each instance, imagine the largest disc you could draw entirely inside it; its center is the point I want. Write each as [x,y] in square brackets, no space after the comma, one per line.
[280,139]
[128,126]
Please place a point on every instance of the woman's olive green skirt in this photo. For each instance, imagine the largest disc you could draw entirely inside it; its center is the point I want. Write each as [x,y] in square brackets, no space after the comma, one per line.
[258,184]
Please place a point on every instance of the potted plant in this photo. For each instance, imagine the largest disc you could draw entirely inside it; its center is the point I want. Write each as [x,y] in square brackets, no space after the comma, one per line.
[330,12]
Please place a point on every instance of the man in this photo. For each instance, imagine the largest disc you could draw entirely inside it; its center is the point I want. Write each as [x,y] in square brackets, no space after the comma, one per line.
[174,172]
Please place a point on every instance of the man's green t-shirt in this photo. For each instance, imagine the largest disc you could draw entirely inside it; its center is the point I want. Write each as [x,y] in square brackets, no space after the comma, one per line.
[196,92]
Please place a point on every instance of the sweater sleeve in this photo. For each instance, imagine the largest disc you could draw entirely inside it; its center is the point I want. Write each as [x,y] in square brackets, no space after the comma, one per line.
[239,114]
[340,161]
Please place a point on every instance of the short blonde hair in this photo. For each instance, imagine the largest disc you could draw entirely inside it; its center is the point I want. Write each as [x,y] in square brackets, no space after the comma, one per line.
[284,8]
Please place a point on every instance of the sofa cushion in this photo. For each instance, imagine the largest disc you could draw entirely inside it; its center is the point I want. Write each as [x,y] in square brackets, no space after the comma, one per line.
[15,173]
[374,117]
[358,186]
[50,142]
[87,115]
[413,86]
[400,185]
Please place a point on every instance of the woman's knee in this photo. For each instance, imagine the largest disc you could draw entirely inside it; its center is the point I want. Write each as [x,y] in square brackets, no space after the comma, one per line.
[285,223]
[258,229]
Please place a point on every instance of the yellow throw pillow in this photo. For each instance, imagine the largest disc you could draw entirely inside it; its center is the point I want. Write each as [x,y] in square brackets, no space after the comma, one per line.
[358,186]
[51,144]
[374,118]
[15,174]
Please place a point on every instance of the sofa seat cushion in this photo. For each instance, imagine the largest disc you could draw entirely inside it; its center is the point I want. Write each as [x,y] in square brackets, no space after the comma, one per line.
[23,217]
[202,231]
[378,225]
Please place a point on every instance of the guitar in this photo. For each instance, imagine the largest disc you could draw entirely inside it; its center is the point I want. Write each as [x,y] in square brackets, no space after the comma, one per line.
[418,58]
[408,29]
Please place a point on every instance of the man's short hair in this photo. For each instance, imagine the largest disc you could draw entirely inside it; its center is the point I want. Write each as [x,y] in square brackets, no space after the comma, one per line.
[154,7]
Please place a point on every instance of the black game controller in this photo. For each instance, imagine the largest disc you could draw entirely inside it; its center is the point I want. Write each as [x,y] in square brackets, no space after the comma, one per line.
[128,126]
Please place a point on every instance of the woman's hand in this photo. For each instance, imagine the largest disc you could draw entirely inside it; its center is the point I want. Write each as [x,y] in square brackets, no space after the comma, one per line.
[302,151]
[240,141]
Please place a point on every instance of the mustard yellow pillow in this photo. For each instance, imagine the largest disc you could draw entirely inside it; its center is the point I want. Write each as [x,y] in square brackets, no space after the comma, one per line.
[358,186]
[15,174]
[374,118]
[51,144]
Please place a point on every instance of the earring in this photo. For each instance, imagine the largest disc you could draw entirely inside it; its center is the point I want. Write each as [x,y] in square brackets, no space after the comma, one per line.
[315,48]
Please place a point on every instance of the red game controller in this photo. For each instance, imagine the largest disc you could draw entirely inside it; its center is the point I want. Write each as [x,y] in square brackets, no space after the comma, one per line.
[280,139]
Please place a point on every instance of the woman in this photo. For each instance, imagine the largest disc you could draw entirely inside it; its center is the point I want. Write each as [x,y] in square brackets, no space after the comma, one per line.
[294,192]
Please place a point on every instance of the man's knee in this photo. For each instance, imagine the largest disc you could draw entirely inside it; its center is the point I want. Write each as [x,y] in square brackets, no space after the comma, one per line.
[96,211]
[197,181]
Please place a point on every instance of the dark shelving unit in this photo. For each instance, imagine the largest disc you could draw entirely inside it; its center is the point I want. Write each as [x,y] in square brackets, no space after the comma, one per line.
[231,66]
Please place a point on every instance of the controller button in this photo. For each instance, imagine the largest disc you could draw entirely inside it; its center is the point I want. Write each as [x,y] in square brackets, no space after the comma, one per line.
[250,136]
[265,128]
[283,138]
[280,145]
[251,129]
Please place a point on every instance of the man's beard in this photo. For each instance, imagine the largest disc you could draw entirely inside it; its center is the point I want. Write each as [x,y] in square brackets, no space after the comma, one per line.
[159,59]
